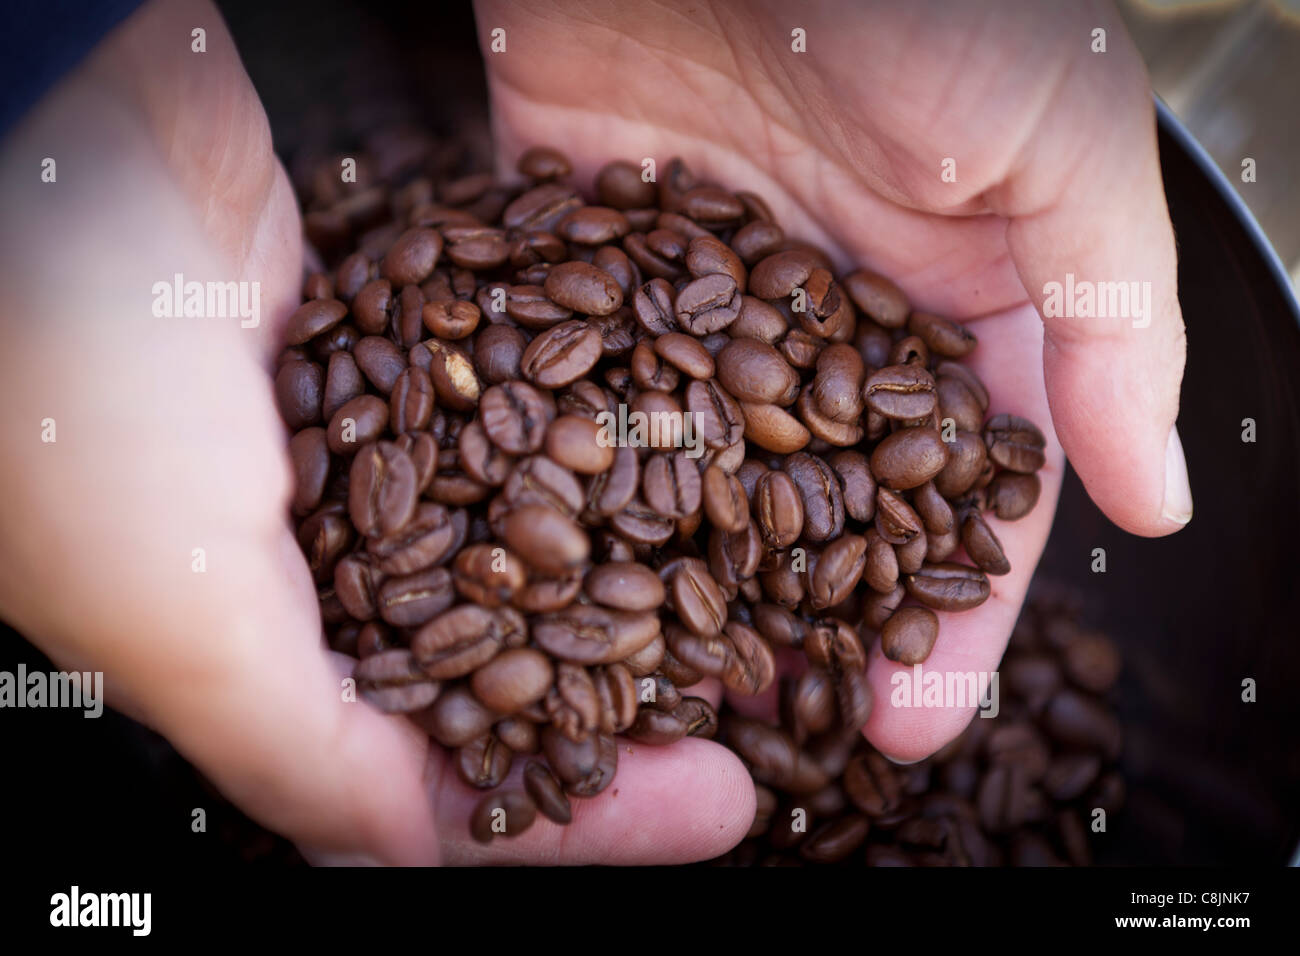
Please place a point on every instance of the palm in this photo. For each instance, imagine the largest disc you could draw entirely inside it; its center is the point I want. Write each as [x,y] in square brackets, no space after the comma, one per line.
[869,192]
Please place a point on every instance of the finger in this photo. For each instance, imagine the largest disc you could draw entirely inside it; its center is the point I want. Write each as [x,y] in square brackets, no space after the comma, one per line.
[972,642]
[692,800]
[1091,238]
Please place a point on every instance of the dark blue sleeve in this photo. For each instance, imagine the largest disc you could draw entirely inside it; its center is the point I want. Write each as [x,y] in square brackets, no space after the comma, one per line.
[41,40]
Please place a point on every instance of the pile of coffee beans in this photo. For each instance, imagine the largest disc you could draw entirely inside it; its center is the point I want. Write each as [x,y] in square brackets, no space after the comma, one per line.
[558,462]
[1022,788]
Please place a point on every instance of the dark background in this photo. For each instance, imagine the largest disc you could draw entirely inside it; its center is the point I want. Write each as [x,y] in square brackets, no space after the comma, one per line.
[1211,779]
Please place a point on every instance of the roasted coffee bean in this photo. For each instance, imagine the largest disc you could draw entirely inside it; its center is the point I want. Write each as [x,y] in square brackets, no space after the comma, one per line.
[583,288]
[540,480]
[498,352]
[1015,443]
[579,444]
[909,457]
[513,679]
[312,318]
[423,541]
[310,457]
[1011,496]
[411,404]
[754,372]
[909,635]
[487,574]
[948,587]
[625,586]
[545,539]
[562,354]
[942,336]
[459,641]
[719,420]
[515,416]
[902,392]
[982,545]
[380,361]
[392,682]
[708,304]
[837,571]
[587,634]
[484,763]
[698,601]
[724,500]
[451,370]
[671,485]
[619,184]
[967,458]
[819,490]
[541,208]
[412,599]
[547,793]
[872,784]
[773,757]
[411,258]
[299,393]
[381,489]
[882,301]
[956,402]
[503,813]
[835,841]
[751,666]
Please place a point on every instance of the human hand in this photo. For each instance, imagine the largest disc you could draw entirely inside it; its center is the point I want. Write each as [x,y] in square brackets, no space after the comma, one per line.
[168,440]
[1056,173]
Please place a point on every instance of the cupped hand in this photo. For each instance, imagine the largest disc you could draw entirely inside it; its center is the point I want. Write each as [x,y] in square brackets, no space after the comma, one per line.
[150,540]
[1052,169]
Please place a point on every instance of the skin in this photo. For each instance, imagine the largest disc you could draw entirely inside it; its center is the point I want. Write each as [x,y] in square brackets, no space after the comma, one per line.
[168,439]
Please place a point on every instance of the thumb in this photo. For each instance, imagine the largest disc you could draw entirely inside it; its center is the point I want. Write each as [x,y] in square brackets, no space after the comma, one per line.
[1090,236]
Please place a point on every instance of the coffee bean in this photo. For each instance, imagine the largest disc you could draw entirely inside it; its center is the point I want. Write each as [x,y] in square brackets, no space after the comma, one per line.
[512,680]
[671,485]
[838,570]
[299,393]
[546,539]
[514,415]
[562,354]
[982,545]
[909,635]
[942,336]
[902,392]
[484,763]
[754,372]
[392,682]
[579,444]
[909,457]
[412,599]
[948,587]
[587,634]
[625,586]
[503,813]
[819,490]
[546,792]
[381,489]
[583,288]
[1012,495]
[1015,443]
[312,318]
[882,301]
[458,641]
